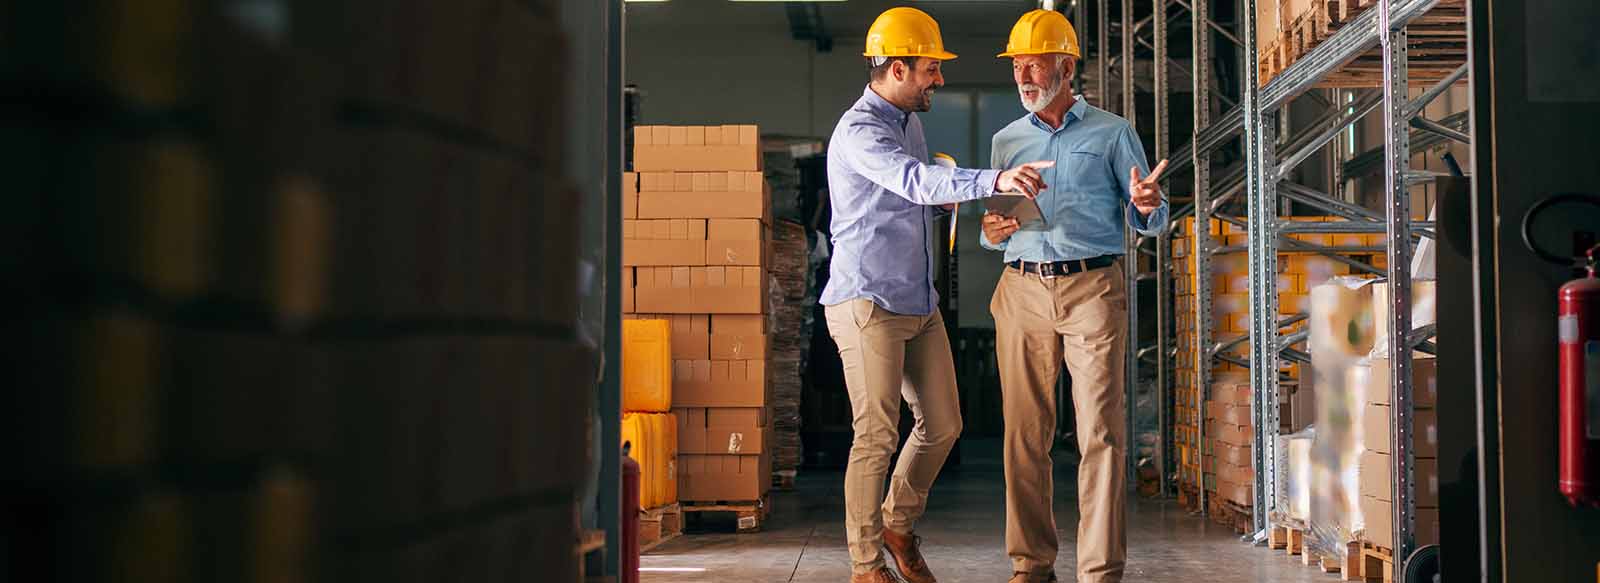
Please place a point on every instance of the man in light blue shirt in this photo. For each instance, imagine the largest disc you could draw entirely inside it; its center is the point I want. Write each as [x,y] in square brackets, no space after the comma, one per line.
[881,306]
[1061,299]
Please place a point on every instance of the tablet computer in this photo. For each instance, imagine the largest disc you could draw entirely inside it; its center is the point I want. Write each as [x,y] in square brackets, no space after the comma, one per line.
[1025,210]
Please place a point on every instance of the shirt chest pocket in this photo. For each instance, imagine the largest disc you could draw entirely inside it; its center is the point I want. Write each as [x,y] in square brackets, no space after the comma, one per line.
[1087,173]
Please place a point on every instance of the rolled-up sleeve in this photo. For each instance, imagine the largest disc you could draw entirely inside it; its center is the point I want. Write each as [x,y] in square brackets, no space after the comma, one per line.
[873,152]
[1127,153]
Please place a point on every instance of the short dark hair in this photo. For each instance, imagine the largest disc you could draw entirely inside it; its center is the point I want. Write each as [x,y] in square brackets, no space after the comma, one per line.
[878,72]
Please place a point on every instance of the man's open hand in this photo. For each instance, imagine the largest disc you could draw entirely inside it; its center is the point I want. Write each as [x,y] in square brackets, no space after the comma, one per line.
[1146,191]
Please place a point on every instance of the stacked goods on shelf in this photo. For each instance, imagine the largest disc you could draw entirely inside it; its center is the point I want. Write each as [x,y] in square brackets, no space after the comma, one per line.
[1376,467]
[1289,29]
[1230,431]
[1298,271]
[699,248]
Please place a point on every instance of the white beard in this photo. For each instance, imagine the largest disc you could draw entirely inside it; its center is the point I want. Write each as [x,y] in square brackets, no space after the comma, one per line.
[1046,95]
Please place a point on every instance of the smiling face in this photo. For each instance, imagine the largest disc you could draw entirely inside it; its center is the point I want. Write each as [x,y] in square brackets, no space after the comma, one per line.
[1040,78]
[908,82]
[918,82]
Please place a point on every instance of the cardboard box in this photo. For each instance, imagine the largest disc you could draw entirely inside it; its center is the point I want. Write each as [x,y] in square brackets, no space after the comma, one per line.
[665,242]
[1236,473]
[719,477]
[1241,494]
[1233,454]
[696,148]
[720,383]
[1424,381]
[739,337]
[1377,479]
[1233,389]
[742,430]
[701,290]
[1380,523]
[1375,431]
[630,195]
[704,195]
[627,290]
[691,334]
[736,242]
[1236,435]
[1231,414]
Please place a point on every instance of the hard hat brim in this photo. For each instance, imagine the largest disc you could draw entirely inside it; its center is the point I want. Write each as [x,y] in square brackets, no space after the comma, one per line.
[941,55]
[1009,54]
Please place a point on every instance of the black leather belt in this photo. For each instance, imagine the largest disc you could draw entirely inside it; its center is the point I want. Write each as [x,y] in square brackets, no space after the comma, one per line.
[1063,268]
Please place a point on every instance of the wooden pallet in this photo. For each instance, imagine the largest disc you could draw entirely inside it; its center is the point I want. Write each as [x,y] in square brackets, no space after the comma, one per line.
[1436,44]
[1377,563]
[749,515]
[1230,514]
[1292,540]
[659,525]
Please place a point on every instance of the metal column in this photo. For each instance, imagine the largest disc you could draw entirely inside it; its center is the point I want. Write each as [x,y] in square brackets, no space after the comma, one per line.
[1129,104]
[1163,250]
[1102,56]
[1397,154]
[1201,156]
[1261,189]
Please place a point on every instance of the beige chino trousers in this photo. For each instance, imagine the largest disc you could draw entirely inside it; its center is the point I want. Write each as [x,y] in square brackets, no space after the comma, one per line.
[1081,320]
[888,357]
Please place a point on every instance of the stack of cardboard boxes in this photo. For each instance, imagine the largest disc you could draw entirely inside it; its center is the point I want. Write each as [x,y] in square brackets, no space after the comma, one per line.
[1229,435]
[1375,465]
[696,238]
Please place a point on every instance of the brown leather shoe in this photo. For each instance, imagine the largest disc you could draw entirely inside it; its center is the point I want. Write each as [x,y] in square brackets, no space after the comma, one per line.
[1033,577]
[906,551]
[881,575]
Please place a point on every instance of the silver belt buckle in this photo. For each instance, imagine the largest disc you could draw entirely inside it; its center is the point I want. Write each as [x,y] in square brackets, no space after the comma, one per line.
[1042,268]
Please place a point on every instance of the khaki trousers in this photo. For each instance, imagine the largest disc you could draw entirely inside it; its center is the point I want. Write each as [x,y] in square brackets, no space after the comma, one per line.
[1039,323]
[888,357]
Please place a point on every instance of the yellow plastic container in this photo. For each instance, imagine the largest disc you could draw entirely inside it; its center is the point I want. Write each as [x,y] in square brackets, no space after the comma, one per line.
[647,365]
[654,440]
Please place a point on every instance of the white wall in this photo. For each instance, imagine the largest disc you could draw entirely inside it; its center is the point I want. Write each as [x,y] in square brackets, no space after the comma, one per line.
[713,62]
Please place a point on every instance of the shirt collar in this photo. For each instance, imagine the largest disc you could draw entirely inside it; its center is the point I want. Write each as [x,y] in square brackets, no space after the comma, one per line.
[881,107]
[1074,113]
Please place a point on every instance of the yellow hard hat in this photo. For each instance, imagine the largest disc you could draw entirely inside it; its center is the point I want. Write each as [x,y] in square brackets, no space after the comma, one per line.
[905,32]
[1042,32]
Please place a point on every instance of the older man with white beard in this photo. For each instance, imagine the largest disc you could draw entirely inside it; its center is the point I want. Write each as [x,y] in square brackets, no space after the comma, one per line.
[1062,298]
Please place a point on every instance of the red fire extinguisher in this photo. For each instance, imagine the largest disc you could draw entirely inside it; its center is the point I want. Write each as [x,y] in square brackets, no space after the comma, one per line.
[1578,329]
[630,518]
[1578,348]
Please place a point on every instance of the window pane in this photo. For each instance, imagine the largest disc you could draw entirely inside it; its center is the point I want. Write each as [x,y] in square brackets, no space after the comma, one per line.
[948,127]
[997,108]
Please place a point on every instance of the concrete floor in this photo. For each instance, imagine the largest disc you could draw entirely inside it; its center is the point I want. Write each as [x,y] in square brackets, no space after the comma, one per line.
[963,534]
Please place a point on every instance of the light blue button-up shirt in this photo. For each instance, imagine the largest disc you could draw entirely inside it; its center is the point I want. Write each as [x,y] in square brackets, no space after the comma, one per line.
[882,189]
[1087,201]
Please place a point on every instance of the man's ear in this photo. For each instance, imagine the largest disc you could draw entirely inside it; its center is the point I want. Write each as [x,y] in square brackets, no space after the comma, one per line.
[899,69]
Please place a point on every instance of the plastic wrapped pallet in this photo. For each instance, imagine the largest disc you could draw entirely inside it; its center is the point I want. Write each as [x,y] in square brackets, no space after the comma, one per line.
[1341,336]
[1294,478]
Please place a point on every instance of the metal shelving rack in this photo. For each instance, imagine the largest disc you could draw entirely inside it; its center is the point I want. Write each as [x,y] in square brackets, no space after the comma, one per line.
[1268,161]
